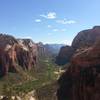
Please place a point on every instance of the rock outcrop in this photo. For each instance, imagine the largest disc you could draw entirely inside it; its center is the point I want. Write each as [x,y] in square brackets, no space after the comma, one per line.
[84,39]
[48,50]
[64,55]
[41,50]
[81,81]
[15,53]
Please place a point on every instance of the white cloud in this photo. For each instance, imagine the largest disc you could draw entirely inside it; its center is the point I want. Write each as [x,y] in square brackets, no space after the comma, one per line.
[55,30]
[63,30]
[49,34]
[49,26]
[27,37]
[65,21]
[50,15]
[60,30]
[38,20]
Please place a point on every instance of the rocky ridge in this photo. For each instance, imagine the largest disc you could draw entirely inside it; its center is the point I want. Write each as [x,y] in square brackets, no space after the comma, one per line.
[83,39]
[14,53]
[82,78]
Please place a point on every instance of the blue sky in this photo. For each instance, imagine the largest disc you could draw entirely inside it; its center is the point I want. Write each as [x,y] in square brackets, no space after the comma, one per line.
[48,21]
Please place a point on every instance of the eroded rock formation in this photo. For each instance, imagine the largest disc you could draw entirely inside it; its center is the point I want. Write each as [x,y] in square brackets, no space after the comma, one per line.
[84,39]
[14,53]
[64,55]
[81,81]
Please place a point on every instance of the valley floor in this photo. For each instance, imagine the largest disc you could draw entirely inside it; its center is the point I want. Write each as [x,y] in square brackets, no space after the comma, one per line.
[43,81]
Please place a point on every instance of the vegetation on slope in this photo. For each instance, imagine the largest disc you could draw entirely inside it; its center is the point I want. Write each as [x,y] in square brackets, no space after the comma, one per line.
[43,81]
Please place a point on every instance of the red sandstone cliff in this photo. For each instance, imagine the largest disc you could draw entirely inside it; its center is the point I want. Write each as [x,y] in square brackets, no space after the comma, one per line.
[83,39]
[81,81]
[64,55]
[14,53]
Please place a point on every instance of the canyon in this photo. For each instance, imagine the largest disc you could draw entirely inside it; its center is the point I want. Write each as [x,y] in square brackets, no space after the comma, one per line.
[80,79]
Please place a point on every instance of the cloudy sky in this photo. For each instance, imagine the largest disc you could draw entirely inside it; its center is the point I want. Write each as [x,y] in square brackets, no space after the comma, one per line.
[48,21]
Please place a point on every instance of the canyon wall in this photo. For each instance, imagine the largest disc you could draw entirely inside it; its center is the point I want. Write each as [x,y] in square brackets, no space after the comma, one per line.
[81,81]
[15,53]
[83,39]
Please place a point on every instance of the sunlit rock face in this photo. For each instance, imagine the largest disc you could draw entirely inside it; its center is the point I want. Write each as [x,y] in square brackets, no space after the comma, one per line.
[14,53]
[84,39]
[81,81]
[41,50]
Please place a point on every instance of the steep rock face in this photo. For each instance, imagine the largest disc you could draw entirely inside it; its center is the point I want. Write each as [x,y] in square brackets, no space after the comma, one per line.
[64,55]
[48,50]
[6,43]
[29,50]
[41,50]
[81,81]
[14,53]
[86,38]
[83,40]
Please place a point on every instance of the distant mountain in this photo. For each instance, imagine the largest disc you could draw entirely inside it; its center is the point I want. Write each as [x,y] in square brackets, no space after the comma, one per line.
[48,50]
[53,48]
